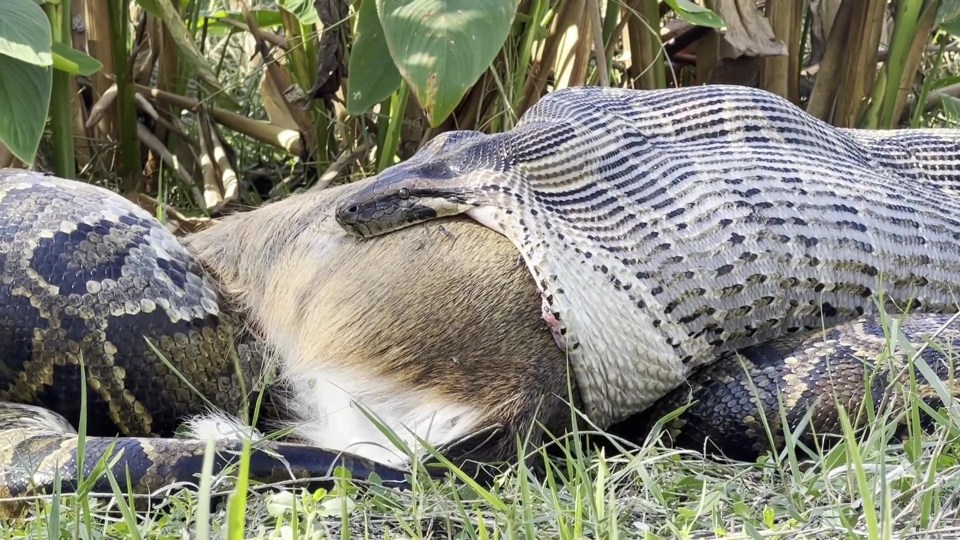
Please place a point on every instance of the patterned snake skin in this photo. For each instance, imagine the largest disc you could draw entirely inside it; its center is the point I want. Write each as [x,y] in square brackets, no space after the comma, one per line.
[87,276]
[667,228]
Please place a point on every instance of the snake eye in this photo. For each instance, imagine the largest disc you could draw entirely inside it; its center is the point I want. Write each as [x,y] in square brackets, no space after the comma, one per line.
[403,193]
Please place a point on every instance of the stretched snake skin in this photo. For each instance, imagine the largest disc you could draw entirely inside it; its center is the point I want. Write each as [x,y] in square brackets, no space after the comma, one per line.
[667,228]
[87,276]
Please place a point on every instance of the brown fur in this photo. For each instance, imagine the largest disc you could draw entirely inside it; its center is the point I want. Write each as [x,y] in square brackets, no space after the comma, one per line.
[446,309]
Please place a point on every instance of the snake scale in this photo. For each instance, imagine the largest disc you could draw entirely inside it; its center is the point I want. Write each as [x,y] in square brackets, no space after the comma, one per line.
[88,277]
[667,228]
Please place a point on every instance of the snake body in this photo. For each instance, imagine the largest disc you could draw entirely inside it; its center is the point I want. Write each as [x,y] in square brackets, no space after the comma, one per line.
[667,228]
[660,227]
[87,277]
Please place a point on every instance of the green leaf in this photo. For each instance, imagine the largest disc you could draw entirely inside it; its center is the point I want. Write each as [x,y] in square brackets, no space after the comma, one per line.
[24,101]
[946,81]
[694,13]
[25,32]
[150,6]
[303,10]
[373,75]
[951,107]
[266,18]
[74,62]
[952,28]
[442,47]
[948,17]
[949,12]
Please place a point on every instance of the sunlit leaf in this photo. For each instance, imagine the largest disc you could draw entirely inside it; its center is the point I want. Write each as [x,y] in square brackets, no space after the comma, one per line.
[948,12]
[442,47]
[24,101]
[373,75]
[948,17]
[303,10]
[24,32]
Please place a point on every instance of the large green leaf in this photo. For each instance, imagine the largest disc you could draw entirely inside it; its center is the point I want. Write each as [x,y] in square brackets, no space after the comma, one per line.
[441,47]
[25,32]
[303,10]
[24,101]
[373,76]
[948,17]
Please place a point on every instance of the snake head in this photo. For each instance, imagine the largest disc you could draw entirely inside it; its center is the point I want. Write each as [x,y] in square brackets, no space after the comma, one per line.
[404,195]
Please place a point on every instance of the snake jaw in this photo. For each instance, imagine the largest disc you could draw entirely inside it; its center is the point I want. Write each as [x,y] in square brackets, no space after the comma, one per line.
[376,210]
[377,217]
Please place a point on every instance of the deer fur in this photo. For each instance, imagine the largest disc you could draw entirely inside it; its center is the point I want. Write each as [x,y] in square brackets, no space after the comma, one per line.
[435,329]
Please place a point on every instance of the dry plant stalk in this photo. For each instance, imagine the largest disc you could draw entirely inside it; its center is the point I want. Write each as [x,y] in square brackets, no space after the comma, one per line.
[97,17]
[599,52]
[275,105]
[212,196]
[83,148]
[150,140]
[645,45]
[546,57]
[283,81]
[570,66]
[708,55]
[222,185]
[102,106]
[288,140]
[780,74]
[865,29]
[167,66]
[849,63]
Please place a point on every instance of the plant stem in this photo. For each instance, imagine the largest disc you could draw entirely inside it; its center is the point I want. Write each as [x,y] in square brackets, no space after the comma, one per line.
[904,29]
[61,113]
[398,105]
[126,103]
[533,28]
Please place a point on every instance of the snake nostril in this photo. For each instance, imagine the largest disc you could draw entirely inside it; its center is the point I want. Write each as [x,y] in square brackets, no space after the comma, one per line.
[353,209]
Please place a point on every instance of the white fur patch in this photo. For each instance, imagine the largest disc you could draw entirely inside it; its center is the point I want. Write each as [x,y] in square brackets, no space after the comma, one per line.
[219,426]
[331,405]
[486,216]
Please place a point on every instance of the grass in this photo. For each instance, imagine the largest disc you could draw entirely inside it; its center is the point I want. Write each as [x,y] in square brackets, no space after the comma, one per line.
[871,490]
[867,486]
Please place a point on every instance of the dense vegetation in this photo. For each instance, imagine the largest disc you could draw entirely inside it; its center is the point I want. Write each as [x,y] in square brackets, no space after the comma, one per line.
[206,103]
